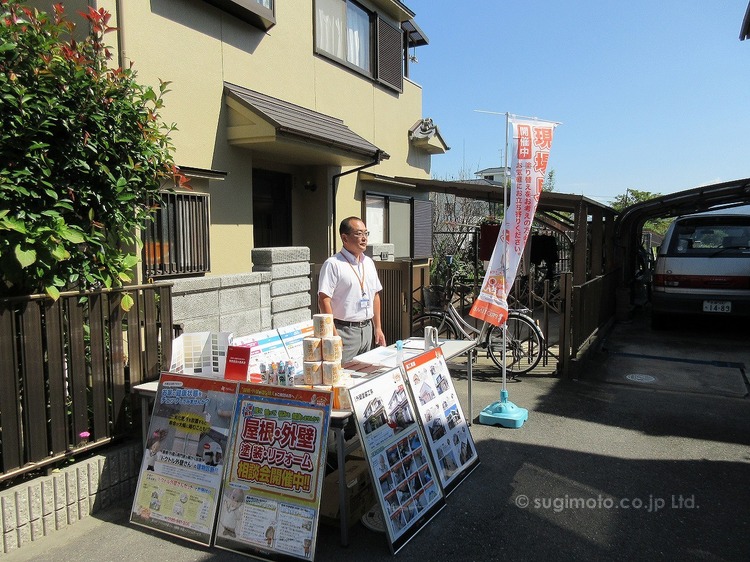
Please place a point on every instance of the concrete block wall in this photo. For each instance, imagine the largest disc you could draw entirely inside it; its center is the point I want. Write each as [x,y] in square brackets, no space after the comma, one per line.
[49,504]
[275,294]
[381,252]
[289,269]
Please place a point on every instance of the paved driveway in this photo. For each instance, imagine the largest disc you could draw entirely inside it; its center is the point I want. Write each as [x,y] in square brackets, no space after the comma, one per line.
[710,357]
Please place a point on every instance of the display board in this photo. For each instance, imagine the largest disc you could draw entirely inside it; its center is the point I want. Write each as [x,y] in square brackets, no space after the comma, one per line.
[402,471]
[273,483]
[292,337]
[179,481]
[448,436]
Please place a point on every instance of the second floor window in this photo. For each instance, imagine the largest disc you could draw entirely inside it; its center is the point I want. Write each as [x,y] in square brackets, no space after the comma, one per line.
[343,30]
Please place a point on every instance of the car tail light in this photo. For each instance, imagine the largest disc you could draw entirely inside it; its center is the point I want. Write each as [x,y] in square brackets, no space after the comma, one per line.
[737,282]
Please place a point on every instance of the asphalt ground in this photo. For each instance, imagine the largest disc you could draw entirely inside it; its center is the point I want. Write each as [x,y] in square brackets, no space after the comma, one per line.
[607,467]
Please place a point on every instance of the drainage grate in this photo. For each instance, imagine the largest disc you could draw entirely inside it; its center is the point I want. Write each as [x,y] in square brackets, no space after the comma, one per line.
[635,377]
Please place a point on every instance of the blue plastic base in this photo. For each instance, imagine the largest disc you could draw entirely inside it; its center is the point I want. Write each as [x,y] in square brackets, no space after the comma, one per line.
[506,414]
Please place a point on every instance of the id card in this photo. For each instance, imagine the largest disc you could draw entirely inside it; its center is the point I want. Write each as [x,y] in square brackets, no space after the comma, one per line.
[364,302]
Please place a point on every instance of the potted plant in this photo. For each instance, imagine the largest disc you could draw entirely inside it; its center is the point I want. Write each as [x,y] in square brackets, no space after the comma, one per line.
[489,229]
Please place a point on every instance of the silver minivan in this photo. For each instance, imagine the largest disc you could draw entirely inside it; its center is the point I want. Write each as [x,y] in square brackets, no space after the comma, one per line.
[703,266]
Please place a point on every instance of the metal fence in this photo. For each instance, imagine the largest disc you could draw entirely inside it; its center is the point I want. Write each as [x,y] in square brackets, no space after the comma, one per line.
[67,367]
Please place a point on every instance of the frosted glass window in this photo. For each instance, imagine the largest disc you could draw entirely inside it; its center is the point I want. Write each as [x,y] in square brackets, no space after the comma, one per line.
[375,219]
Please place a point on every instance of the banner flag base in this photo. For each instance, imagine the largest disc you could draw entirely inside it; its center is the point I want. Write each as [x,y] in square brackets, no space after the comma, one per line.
[503,413]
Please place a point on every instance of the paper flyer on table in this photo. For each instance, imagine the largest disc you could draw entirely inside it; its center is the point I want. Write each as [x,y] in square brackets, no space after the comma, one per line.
[292,337]
[267,351]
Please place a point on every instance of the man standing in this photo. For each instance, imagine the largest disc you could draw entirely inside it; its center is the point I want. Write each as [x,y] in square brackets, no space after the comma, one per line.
[349,289]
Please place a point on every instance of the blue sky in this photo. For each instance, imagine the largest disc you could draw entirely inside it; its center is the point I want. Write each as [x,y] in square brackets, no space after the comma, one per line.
[652,94]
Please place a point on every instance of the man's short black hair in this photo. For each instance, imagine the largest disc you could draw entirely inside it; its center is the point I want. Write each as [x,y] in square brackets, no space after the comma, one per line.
[345,226]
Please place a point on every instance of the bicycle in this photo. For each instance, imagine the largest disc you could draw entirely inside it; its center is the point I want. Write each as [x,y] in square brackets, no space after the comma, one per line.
[524,340]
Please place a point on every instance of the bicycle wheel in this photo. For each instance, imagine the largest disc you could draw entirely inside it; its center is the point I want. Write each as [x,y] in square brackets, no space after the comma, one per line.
[525,344]
[445,327]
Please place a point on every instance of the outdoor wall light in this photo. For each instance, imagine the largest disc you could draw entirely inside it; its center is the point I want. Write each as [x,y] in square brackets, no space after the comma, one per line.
[310,185]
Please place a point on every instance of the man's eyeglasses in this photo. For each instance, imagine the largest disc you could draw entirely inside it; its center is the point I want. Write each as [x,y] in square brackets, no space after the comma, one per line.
[360,233]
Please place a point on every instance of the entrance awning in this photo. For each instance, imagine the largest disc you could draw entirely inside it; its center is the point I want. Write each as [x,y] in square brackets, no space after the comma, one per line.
[279,130]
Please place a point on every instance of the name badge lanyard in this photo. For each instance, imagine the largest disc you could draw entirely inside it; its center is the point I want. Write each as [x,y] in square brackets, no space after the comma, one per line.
[364,301]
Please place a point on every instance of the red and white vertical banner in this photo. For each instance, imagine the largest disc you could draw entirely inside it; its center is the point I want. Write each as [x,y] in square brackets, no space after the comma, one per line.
[531,143]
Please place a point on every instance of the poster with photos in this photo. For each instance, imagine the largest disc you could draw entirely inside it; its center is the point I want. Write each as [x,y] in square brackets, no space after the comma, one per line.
[448,435]
[402,471]
[183,461]
[270,501]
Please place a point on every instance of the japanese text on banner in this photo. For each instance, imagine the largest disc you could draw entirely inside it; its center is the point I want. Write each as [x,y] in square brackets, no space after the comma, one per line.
[532,141]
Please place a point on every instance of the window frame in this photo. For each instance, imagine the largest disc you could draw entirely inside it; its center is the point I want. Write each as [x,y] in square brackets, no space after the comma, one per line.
[343,61]
[383,61]
[388,197]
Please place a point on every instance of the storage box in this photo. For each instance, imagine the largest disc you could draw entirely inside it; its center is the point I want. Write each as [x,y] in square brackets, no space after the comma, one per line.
[360,496]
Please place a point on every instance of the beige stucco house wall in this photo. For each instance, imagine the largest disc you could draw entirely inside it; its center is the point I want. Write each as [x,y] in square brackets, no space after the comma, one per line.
[199,48]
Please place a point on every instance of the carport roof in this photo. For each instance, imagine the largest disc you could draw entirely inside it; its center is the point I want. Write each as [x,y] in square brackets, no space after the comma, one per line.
[718,195]
[630,222]
[745,29]
[483,190]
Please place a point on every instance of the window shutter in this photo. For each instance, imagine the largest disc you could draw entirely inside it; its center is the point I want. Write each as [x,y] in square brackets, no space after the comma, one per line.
[390,45]
[422,222]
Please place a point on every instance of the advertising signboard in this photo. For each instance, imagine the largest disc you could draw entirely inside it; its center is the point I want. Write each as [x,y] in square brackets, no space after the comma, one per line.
[180,477]
[273,482]
[402,471]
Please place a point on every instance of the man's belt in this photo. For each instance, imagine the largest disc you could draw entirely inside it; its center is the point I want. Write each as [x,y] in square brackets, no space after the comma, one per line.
[361,324]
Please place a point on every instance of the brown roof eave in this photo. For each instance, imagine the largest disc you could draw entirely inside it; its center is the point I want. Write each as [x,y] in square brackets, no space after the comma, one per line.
[323,141]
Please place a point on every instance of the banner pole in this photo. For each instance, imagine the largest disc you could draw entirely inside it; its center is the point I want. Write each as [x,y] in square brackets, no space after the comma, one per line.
[504,390]
[505,412]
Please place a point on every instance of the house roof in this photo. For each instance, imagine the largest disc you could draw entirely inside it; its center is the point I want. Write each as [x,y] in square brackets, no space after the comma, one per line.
[745,29]
[496,170]
[276,127]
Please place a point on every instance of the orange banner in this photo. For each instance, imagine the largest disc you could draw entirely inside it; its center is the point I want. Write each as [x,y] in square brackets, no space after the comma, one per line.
[532,141]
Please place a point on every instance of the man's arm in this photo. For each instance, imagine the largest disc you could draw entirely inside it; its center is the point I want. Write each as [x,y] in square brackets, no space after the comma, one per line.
[324,304]
[379,335]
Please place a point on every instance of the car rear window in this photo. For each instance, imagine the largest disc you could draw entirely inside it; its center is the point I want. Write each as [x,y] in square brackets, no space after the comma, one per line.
[711,236]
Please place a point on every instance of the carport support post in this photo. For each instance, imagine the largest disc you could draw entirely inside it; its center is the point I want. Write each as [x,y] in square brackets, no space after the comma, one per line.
[566,290]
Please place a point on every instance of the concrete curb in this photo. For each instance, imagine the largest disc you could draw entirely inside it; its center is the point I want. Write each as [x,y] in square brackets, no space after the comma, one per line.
[42,506]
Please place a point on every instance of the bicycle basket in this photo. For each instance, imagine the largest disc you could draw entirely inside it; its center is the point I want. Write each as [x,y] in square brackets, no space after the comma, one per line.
[433,297]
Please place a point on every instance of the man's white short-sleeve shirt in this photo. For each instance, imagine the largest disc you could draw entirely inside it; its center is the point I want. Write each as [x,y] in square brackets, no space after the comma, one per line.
[341,277]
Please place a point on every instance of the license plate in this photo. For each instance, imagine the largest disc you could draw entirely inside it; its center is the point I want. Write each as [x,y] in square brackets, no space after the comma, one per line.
[717,306]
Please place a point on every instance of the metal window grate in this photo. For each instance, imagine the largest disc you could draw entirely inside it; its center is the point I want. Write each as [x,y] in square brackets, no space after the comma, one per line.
[177,241]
